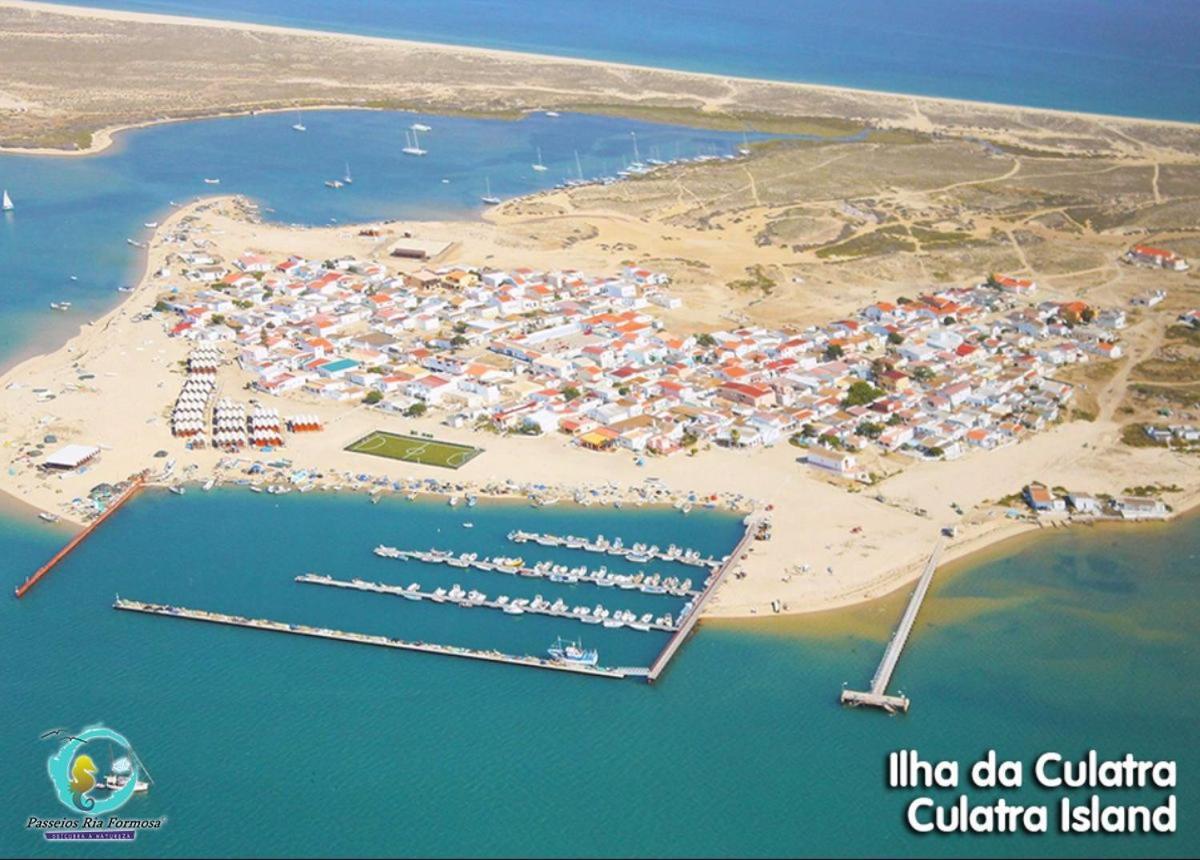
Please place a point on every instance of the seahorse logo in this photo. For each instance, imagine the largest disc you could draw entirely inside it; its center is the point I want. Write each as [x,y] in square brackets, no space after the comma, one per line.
[73,770]
[83,780]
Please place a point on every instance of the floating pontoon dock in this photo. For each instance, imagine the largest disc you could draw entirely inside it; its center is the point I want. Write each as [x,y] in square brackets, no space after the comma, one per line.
[464,600]
[615,548]
[542,570]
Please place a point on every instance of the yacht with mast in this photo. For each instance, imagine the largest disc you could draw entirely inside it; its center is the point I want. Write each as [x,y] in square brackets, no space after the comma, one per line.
[489,198]
[121,771]
[299,125]
[414,145]
[539,166]
[347,179]
[6,204]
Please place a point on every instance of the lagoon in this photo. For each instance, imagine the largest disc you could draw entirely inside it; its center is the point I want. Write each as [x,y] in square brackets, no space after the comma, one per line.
[73,215]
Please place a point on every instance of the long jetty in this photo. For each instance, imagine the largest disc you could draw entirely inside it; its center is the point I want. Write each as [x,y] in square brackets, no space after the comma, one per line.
[539,571]
[370,639]
[714,582]
[83,535]
[878,697]
[463,600]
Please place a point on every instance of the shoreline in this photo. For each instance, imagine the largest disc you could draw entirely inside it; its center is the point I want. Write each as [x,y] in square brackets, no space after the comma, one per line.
[900,542]
[976,540]
[103,138]
[956,560]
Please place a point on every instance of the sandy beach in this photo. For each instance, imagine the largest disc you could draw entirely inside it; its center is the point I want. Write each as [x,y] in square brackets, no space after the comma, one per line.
[834,544]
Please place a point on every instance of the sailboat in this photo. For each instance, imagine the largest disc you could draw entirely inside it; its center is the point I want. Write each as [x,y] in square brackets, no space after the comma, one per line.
[121,771]
[414,145]
[637,166]
[420,126]
[488,198]
[539,167]
[6,204]
[744,149]
[299,125]
[347,179]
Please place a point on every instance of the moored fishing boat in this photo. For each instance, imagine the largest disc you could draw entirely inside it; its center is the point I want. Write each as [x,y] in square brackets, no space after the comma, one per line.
[573,652]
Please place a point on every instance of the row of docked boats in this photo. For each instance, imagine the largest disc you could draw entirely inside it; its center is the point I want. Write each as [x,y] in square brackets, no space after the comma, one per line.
[638,552]
[537,605]
[647,583]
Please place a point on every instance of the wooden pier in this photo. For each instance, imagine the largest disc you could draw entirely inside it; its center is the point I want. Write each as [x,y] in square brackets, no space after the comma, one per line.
[37,575]
[674,643]
[878,697]
[462,600]
[369,639]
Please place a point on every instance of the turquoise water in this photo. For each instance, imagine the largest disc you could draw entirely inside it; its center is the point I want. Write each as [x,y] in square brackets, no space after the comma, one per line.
[73,215]
[263,743]
[1122,57]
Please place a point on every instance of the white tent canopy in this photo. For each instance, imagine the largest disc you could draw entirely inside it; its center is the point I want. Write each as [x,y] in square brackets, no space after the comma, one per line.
[72,456]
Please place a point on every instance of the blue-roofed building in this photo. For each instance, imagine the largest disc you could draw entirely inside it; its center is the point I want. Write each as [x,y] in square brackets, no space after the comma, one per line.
[337,369]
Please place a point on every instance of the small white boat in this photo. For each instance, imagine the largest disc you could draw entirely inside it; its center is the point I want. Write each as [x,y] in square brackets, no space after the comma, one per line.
[6,203]
[208,485]
[552,113]
[60,306]
[489,198]
[420,126]
[468,525]
[414,145]
[48,517]
[178,490]
[539,166]
[333,183]
[347,179]
[150,225]
[212,181]
[299,125]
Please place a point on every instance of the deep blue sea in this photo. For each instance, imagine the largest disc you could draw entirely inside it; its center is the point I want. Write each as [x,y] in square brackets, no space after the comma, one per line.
[260,743]
[1125,57]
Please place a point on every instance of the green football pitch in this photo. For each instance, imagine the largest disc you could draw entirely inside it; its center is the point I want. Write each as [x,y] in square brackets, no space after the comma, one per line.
[413,449]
